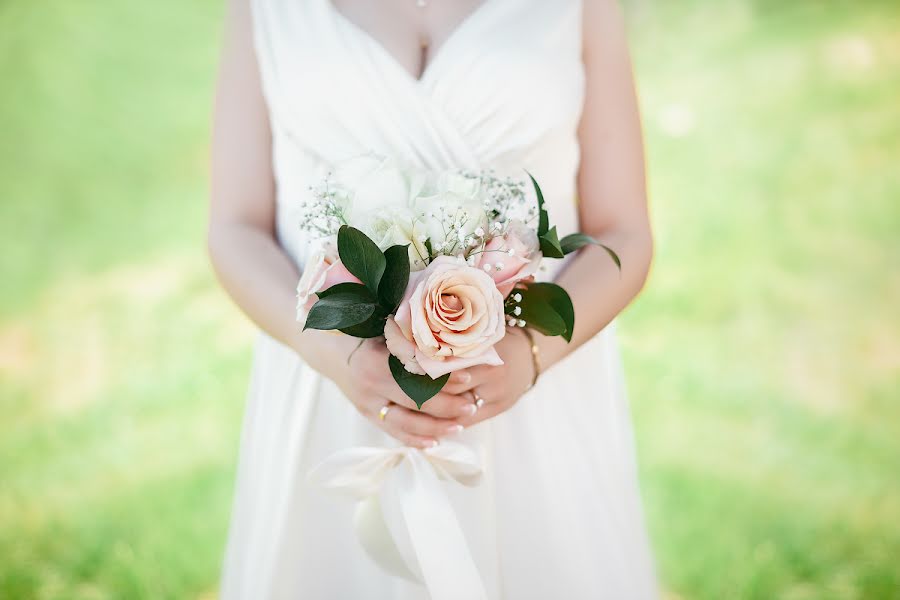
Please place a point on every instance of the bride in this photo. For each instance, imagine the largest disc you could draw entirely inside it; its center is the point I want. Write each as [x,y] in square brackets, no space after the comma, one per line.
[540,85]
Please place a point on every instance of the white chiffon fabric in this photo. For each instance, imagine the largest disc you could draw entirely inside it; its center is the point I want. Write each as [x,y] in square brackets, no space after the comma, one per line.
[557,512]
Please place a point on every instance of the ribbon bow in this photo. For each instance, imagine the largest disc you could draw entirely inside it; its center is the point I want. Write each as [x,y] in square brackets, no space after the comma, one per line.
[404,519]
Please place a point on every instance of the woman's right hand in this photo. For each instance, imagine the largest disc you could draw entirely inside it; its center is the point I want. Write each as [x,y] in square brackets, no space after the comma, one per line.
[366,380]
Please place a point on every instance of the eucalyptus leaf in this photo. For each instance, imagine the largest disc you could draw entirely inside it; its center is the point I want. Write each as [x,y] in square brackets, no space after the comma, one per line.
[420,388]
[338,310]
[361,256]
[576,241]
[396,277]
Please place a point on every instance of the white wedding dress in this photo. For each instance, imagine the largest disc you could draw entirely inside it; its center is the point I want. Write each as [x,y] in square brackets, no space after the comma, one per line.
[557,513]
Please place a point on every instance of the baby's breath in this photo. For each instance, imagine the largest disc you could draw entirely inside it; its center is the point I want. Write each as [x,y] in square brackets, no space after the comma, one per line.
[323,213]
[453,230]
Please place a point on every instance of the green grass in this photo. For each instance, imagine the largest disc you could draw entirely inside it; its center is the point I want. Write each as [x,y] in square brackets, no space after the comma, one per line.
[763,358]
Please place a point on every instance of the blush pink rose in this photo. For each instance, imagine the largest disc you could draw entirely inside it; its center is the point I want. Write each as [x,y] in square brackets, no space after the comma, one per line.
[323,270]
[508,269]
[450,319]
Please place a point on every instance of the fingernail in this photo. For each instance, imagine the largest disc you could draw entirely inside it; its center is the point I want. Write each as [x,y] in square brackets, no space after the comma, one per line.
[454,429]
[469,409]
[462,377]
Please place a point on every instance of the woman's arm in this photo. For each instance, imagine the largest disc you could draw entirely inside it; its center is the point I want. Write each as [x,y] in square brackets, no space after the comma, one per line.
[611,185]
[241,239]
[612,208]
[256,272]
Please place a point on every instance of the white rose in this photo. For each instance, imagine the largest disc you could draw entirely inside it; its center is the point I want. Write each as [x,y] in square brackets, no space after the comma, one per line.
[450,182]
[398,226]
[372,181]
[449,217]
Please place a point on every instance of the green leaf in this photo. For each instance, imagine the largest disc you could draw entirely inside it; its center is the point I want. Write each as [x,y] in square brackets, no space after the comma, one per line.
[419,388]
[361,256]
[396,276]
[372,327]
[338,310]
[349,287]
[543,218]
[559,300]
[576,241]
[550,244]
[540,315]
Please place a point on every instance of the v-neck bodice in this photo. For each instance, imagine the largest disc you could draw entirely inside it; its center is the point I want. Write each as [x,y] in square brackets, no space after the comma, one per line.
[504,91]
[437,51]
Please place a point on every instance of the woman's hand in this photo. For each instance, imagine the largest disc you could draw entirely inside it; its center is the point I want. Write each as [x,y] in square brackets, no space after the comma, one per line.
[499,386]
[367,381]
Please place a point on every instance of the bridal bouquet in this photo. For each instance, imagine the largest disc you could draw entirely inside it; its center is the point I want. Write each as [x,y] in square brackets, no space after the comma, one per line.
[439,264]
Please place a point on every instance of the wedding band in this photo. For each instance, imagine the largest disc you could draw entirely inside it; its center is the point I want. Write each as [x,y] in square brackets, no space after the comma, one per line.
[479,401]
[384,411]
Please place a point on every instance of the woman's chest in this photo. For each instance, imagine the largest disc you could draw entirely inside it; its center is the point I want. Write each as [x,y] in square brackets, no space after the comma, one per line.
[508,73]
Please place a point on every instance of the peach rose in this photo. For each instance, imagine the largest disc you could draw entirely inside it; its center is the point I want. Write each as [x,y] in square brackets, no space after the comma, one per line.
[450,319]
[323,270]
[512,257]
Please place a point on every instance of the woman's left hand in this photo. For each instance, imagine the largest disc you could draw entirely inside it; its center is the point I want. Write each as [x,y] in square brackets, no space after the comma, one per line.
[499,386]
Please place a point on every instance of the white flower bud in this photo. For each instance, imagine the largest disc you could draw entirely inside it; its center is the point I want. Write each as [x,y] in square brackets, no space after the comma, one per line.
[517,297]
[487,266]
[479,232]
[517,311]
[511,251]
[498,266]
[521,323]
[511,322]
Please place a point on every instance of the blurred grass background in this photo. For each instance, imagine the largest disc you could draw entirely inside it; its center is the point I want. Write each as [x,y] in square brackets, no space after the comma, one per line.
[763,359]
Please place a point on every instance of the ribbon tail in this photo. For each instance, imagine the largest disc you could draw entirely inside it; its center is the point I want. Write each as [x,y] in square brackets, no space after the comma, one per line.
[443,556]
[376,539]
[360,473]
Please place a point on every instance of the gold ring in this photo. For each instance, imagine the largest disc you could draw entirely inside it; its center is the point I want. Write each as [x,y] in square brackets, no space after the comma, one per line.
[384,411]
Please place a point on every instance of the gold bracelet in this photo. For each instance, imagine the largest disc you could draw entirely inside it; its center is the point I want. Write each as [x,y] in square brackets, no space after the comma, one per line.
[535,356]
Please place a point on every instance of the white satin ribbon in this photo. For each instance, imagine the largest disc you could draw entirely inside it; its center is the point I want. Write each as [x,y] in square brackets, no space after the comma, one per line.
[404,519]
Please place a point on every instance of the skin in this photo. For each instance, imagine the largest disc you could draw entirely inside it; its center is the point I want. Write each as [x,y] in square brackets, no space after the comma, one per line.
[261,279]
[407,27]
